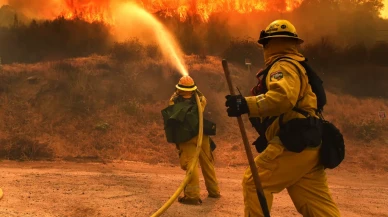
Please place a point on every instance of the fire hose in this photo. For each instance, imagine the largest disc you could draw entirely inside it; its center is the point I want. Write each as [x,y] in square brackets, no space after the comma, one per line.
[193,165]
[252,164]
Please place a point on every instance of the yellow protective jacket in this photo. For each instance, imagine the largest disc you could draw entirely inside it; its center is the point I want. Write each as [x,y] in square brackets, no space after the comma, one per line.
[288,87]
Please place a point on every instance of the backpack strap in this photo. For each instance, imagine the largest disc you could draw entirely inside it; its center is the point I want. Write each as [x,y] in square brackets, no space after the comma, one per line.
[266,70]
[268,121]
[300,111]
[304,113]
[296,109]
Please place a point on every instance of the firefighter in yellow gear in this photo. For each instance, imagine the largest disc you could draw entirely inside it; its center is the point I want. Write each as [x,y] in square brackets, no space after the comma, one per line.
[185,90]
[287,87]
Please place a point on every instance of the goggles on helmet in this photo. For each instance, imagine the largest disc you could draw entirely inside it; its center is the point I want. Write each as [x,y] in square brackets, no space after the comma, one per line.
[264,34]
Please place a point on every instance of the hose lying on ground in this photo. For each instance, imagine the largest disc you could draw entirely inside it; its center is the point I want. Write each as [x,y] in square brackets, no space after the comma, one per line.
[193,165]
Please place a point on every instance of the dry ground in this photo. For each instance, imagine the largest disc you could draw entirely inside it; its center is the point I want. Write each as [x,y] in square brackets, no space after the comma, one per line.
[139,189]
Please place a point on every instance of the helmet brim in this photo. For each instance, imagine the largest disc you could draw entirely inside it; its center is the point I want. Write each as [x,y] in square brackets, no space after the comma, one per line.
[261,40]
[186,89]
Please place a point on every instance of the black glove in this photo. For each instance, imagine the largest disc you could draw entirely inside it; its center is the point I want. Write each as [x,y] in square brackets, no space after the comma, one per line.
[237,105]
[260,144]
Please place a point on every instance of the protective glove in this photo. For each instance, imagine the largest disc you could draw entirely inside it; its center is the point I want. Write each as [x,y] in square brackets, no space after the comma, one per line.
[237,105]
[260,143]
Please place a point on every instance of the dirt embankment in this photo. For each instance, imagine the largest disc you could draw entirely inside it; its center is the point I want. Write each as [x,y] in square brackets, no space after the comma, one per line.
[99,108]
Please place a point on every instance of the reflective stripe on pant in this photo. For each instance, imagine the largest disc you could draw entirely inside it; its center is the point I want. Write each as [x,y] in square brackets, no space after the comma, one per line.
[206,160]
[300,173]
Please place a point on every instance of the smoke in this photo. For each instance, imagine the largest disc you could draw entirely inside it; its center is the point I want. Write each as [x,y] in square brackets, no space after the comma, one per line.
[128,19]
[345,21]
[38,9]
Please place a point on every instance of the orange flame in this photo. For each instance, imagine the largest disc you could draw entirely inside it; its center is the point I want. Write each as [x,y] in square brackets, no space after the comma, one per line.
[204,8]
[100,10]
[89,10]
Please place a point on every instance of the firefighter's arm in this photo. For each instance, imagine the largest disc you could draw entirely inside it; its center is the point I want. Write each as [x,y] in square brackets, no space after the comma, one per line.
[283,85]
[173,97]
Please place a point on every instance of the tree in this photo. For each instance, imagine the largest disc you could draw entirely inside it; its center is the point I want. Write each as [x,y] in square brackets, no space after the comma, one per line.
[15,21]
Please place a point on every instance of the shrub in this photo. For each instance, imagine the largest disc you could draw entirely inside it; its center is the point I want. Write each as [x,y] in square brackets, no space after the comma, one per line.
[62,39]
[130,50]
[21,147]
[102,126]
[132,107]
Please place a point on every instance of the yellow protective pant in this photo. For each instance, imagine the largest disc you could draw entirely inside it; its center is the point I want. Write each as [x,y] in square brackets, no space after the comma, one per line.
[300,173]
[206,160]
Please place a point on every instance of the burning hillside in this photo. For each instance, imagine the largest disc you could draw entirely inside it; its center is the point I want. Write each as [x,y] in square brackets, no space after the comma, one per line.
[104,10]
[237,18]
[204,8]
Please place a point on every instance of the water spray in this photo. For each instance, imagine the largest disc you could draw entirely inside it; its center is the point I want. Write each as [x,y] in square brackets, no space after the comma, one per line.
[134,19]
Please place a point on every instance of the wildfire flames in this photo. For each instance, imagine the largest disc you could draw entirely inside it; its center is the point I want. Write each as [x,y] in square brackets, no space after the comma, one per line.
[204,8]
[90,10]
[104,10]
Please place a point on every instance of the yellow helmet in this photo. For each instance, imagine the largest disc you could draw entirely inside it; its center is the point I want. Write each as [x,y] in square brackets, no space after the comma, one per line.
[186,83]
[279,29]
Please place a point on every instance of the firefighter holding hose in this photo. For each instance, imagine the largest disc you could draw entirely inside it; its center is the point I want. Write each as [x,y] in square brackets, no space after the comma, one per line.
[284,107]
[183,132]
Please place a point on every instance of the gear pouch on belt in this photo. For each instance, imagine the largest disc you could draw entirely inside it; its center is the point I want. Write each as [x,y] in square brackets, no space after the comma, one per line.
[299,133]
[209,128]
[332,151]
[261,142]
[212,144]
[261,127]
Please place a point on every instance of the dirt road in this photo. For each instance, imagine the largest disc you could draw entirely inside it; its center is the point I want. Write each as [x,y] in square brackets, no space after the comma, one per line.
[138,189]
